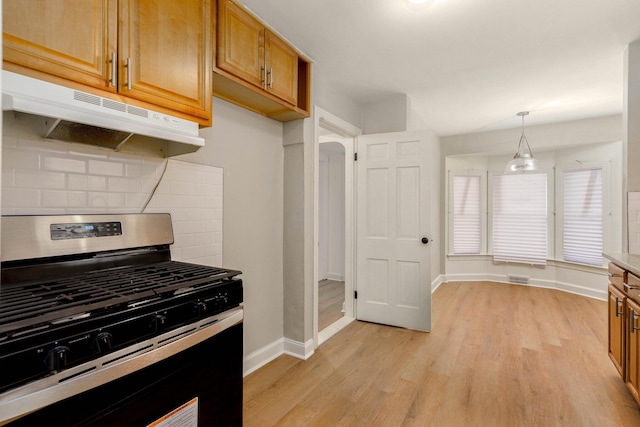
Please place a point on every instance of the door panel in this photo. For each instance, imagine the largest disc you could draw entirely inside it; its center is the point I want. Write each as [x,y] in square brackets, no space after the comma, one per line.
[393,265]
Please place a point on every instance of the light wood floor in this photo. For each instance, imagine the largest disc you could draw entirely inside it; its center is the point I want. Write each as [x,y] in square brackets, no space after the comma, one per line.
[498,355]
[330,300]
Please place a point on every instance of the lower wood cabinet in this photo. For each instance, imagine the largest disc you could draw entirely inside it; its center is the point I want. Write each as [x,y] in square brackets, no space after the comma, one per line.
[617,339]
[624,326]
[633,349]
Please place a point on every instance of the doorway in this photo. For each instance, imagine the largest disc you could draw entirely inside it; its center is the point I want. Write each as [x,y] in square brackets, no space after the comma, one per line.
[334,225]
[331,238]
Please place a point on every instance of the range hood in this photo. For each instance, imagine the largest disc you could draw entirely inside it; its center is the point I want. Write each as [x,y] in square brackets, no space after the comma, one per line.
[75,116]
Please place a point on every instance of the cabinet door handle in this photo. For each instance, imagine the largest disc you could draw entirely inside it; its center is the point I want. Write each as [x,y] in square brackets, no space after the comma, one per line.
[128,73]
[114,70]
[263,73]
[632,323]
[618,304]
[629,287]
[270,78]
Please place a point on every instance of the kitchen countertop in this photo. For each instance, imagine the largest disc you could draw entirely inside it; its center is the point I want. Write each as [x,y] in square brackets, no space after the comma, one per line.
[629,262]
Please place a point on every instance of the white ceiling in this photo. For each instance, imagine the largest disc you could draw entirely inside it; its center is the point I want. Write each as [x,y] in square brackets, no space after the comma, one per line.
[467,65]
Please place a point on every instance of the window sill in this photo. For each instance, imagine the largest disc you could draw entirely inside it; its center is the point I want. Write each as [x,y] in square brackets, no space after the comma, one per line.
[550,263]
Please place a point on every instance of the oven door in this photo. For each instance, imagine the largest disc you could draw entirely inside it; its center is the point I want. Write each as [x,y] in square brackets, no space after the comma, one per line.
[200,385]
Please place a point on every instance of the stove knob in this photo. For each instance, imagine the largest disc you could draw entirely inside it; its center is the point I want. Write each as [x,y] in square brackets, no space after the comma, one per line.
[223,300]
[104,342]
[199,308]
[158,322]
[56,359]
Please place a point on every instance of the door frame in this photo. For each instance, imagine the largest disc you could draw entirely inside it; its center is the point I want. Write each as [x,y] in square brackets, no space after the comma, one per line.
[324,119]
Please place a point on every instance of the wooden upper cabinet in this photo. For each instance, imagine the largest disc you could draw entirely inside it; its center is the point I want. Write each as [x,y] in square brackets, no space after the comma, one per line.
[240,44]
[256,69]
[157,52]
[282,68]
[71,39]
[165,53]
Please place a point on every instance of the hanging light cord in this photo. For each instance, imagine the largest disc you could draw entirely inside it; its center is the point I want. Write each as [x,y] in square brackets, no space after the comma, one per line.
[523,137]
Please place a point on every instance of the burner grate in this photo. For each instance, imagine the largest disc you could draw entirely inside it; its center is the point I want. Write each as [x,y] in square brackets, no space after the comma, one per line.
[30,304]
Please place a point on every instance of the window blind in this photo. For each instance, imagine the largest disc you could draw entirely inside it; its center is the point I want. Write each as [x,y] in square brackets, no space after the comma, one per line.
[520,218]
[582,216]
[466,214]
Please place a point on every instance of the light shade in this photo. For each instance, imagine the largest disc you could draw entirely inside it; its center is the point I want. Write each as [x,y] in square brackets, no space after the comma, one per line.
[523,160]
[521,163]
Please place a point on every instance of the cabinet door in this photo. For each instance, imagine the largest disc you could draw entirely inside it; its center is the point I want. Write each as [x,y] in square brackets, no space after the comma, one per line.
[633,353]
[240,44]
[617,328]
[165,53]
[37,36]
[282,68]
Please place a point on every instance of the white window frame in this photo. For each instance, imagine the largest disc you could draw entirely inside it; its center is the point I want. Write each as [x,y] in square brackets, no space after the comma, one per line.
[550,212]
[607,191]
[483,210]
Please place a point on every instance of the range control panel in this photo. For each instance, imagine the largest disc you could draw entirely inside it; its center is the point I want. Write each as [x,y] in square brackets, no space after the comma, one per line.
[85,230]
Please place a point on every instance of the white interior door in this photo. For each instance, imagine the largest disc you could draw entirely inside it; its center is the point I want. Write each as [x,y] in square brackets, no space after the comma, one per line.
[393,217]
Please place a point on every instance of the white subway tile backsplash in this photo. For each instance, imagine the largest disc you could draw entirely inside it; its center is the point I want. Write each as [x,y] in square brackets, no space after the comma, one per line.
[97,200]
[7,177]
[77,182]
[24,178]
[99,167]
[182,187]
[77,199]
[9,142]
[65,165]
[125,157]
[43,146]
[20,198]
[140,171]
[197,226]
[54,199]
[52,177]
[124,185]
[193,252]
[19,159]
[116,200]
[135,200]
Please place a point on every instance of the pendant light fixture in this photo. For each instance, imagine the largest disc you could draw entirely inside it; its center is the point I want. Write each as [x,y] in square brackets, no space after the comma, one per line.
[523,160]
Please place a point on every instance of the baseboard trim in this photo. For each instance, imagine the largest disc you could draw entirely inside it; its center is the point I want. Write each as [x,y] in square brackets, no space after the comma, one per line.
[539,283]
[335,277]
[257,359]
[298,349]
[437,282]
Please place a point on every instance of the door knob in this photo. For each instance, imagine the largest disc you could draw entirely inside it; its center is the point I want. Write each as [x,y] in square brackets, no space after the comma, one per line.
[425,240]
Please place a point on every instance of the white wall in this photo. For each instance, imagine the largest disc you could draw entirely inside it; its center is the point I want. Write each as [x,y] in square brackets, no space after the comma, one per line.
[249,149]
[329,99]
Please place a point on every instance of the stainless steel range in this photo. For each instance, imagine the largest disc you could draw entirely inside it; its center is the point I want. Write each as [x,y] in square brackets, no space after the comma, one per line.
[98,326]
